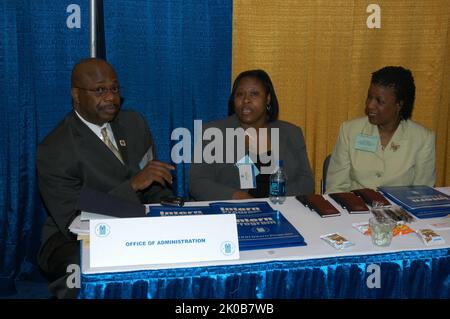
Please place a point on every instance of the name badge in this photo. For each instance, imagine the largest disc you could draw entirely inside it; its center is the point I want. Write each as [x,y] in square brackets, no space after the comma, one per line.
[148,156]
[247,172]
[367,143]
[247,176]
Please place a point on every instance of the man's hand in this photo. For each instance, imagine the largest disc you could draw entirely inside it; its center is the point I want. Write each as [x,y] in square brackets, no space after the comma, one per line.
[154,171]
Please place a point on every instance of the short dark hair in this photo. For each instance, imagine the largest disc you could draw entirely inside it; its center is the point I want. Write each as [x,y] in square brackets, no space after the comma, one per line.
[261,75]
[402,82]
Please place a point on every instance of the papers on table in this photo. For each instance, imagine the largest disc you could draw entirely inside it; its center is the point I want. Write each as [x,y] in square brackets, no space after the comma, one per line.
[85,216]
[259,226]
[80,225]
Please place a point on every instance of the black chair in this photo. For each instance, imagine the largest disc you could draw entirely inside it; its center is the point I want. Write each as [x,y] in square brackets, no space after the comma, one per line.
[323,181]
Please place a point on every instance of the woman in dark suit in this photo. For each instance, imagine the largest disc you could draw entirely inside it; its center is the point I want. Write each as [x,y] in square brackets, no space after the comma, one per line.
[253,111]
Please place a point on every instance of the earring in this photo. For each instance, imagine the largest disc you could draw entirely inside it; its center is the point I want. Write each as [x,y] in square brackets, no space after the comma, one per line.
[268,107]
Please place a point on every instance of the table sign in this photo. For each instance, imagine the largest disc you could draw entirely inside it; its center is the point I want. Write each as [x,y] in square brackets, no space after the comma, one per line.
[160,240]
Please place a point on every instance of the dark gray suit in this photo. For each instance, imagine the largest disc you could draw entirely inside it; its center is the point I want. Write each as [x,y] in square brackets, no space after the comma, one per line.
[72,157]
[218,181]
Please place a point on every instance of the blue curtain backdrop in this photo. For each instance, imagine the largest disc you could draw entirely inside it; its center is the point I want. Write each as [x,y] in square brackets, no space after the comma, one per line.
[37,51]
[173,59]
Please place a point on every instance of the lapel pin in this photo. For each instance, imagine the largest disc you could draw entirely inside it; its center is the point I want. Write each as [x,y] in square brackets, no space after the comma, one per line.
[394,146]
[122,143]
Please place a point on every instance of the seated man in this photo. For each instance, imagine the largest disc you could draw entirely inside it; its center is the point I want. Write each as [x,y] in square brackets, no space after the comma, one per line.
[97,147]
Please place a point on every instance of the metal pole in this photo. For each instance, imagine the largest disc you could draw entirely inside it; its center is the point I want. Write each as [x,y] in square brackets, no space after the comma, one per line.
[93,28]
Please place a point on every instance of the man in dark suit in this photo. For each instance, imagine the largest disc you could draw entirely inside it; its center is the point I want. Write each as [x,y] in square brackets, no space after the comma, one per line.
[96,147]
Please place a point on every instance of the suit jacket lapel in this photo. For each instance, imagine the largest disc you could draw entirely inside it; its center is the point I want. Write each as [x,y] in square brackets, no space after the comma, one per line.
[88,140]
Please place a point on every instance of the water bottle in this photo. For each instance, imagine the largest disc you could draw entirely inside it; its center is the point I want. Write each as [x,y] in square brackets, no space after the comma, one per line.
[277,190]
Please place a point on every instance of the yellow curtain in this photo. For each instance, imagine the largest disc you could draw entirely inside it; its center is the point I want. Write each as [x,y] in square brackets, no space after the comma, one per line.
[320,56]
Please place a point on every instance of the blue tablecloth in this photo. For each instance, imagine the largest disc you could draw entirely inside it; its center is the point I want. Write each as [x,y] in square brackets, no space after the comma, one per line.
[407,274]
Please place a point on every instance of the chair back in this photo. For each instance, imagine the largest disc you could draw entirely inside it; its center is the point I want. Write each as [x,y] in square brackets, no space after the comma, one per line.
[323,181]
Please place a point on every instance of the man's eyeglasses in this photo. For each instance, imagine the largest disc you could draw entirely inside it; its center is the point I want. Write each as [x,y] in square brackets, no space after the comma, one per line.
[101,91]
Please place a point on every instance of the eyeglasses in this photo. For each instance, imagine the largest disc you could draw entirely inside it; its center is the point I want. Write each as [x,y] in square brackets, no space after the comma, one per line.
[101,91]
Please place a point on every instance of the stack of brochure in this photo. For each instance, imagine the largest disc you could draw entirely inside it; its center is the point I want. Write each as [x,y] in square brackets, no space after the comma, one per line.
[259,226]
[80,224]
[420,200]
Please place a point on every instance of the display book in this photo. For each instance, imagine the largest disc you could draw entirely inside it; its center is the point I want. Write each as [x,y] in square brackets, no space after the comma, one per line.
[319,204]
[370,197]
[355,202]
[420,200]
[259,226]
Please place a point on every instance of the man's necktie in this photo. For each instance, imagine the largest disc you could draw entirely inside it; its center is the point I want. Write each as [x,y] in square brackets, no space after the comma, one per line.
[110,145]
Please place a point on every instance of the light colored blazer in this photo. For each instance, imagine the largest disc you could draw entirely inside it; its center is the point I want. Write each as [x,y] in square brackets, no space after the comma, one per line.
[408,159]
[218,181]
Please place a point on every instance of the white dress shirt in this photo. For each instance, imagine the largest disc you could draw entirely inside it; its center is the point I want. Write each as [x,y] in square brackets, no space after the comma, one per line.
[97,129]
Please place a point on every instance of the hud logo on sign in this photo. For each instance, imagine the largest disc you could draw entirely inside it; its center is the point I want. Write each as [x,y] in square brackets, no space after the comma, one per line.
[102,230]
[227,248]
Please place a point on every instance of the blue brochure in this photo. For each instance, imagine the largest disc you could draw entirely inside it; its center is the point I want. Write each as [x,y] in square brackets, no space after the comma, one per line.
[241,207]
[266,231]
[159,211]
[420,200]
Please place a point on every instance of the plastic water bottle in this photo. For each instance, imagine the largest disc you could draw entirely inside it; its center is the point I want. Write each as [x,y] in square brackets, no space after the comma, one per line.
[277,190]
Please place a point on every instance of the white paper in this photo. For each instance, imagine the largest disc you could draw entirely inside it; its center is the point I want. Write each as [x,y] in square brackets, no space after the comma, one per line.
[89,216]
[246,176]
[78,226]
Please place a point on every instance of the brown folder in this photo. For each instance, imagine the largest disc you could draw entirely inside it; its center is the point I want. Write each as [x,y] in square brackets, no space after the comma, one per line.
[318,204]
[370,197]
[352,203]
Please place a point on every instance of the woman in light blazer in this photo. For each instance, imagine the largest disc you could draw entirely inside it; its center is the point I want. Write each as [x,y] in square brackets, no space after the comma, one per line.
[384,148]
